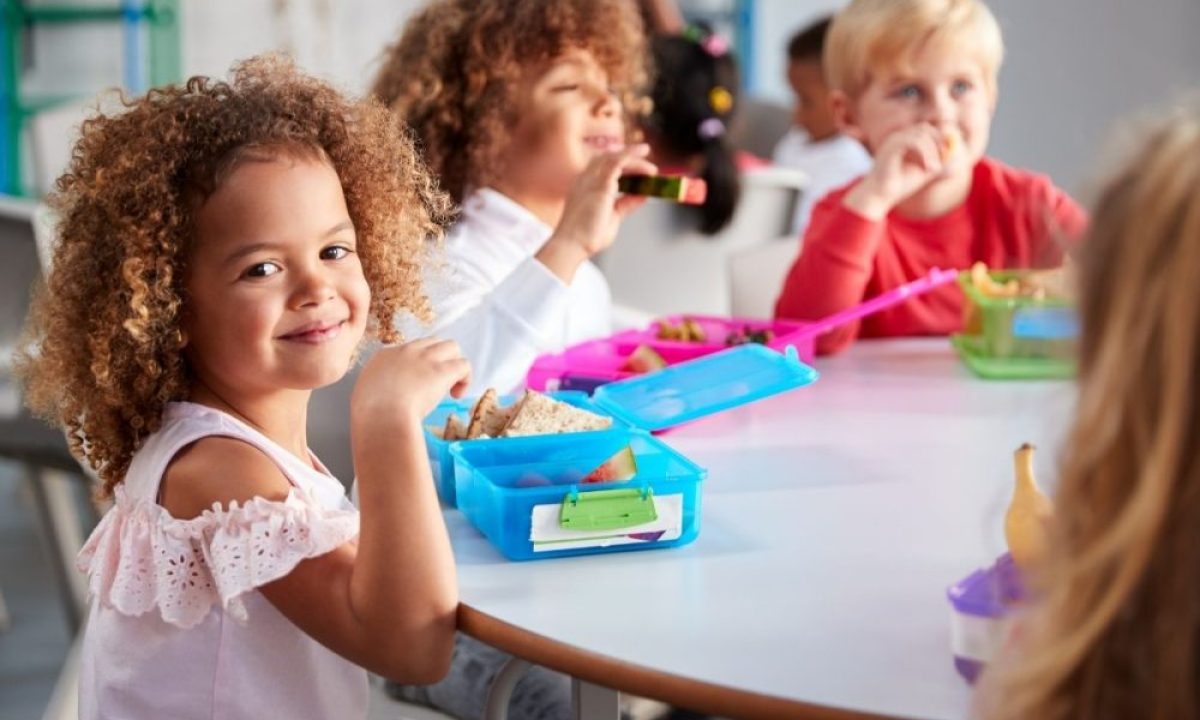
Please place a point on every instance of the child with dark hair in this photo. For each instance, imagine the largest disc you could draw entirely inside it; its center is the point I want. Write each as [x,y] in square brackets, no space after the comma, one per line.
[695,96]
[815,144]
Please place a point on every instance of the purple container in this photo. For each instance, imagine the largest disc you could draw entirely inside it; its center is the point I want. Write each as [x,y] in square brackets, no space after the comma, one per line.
[982,603]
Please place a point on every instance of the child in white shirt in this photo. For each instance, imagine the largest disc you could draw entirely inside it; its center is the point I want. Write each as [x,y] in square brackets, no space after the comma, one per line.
[523,111]
[814,143]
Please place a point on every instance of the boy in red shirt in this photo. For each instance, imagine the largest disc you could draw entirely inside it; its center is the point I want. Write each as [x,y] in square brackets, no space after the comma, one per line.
[915,82]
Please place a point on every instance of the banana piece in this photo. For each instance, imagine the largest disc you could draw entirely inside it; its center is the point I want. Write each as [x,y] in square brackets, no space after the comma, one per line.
[1026,525]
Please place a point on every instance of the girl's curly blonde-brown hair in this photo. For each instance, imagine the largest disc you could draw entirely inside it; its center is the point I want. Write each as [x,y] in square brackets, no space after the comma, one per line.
[103,351]
[455,73]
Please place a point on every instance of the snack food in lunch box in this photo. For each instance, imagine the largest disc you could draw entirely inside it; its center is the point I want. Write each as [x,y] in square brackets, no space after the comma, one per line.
[643,360]
[686,190]
[686,330]
[1034,284]
[533,414]
[1029,514]
[620,467]
[749,335]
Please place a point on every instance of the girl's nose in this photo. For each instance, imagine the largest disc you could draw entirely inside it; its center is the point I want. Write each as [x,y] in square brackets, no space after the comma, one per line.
[607,103]
[313,287]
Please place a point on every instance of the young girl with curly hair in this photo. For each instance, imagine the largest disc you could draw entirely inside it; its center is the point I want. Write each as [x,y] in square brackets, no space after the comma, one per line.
[523,109]
[223,248]
[1115,632]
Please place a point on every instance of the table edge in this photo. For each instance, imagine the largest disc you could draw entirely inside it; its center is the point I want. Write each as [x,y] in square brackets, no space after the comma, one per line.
[640,680]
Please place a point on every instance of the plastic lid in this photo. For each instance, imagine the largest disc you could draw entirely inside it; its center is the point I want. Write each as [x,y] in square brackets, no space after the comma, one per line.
[706,385]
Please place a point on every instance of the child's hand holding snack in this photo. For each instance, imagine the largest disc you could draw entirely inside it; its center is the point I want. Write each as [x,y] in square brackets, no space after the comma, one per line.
[594,210]
[905,162]
[405,383]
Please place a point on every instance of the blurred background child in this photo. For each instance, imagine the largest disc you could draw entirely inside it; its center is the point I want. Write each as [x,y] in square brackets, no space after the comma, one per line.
[814,143]
[694,100]
[915,82]
[522,109]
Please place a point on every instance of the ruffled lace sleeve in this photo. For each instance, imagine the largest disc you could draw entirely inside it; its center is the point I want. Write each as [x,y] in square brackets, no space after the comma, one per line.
[140,558]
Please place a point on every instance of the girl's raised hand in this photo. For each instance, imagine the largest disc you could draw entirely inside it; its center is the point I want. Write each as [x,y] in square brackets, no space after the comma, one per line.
[402,384]
[594,210]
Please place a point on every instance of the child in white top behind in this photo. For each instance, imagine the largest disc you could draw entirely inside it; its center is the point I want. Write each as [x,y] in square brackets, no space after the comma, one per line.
[522,109]
[223,250]
[814,144]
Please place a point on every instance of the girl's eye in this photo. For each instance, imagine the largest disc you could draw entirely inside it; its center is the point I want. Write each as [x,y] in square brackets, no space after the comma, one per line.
[262,269]
[909,92]
[571,87]
[960,87]
[335,252]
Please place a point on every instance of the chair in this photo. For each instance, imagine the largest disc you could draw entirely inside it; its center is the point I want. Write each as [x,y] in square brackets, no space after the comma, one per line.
[756,276]
[660,264]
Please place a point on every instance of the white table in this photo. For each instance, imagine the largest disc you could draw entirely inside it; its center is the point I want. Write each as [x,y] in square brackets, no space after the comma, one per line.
[833,520]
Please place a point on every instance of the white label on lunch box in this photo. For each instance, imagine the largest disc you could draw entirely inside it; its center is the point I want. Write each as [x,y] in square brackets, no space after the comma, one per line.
[546,534]
[977,638]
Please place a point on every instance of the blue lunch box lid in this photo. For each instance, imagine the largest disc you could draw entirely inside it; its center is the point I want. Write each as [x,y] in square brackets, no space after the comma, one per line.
[704,386]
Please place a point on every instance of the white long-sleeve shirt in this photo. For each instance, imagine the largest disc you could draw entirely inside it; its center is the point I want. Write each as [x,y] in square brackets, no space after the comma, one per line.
[502,306]
[829,164]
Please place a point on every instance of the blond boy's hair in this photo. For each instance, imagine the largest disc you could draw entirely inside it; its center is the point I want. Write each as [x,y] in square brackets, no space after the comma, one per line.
[872,34]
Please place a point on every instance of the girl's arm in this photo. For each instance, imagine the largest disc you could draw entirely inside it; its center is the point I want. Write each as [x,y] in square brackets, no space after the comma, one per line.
[386,602]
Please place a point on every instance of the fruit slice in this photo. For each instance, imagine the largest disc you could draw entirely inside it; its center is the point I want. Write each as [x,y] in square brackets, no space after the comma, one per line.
[620,467]
[643,360]
[687,190]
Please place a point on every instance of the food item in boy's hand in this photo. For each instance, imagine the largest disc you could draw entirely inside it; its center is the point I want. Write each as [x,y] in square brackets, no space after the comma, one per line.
[748,335]
[536,414]
[620,467]
[951,142]
[686,330]
[643,360]
[687,190]
[1026,525]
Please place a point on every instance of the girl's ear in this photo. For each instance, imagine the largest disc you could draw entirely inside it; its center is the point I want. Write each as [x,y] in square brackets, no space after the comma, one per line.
[844,115]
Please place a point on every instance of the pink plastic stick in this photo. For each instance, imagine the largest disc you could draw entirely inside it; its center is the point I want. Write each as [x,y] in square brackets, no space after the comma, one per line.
[936,278]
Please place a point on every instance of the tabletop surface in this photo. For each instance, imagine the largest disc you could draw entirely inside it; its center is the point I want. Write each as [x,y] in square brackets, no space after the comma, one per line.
[833,519]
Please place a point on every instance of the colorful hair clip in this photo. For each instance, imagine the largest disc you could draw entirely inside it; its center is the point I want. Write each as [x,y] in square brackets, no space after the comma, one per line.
[720,100]
[711,128]
[715,45]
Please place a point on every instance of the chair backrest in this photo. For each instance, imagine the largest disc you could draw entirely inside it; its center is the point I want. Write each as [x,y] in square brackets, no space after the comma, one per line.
[756,276]
[662,265]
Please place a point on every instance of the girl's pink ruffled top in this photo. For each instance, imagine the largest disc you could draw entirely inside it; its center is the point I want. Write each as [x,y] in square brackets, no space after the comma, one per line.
[178,628]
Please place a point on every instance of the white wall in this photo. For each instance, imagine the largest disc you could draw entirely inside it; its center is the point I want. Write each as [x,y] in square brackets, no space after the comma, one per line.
[1073,68]
[337,39]
[340,40]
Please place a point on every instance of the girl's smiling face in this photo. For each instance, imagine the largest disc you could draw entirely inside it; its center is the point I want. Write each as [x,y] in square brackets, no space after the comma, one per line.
[567,115]
[276,296]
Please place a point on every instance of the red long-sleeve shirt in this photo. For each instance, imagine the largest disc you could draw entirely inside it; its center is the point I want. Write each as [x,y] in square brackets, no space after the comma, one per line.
[1010,219]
